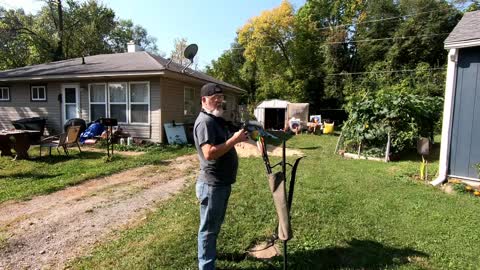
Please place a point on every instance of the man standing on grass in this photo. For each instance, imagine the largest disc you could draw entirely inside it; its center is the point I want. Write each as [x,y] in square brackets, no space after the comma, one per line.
[218,170]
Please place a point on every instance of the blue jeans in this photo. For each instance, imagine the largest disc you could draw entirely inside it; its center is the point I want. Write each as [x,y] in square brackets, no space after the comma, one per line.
[213,205]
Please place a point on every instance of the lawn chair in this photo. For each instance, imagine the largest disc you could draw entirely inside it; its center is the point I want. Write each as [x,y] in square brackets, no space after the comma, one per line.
[64,140]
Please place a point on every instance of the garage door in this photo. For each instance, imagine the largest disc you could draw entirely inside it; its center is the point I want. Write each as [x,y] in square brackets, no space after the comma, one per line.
[465,148]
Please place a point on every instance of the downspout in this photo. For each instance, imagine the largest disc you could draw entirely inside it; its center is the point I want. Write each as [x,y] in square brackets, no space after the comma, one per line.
[447,117]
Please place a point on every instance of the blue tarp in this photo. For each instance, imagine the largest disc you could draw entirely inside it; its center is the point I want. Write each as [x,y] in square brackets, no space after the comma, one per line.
[93,130]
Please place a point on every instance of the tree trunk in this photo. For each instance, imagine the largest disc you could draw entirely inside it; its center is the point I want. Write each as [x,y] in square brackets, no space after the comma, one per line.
[59,55]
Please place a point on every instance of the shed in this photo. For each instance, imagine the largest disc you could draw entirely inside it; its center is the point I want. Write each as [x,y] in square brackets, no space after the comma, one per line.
[275,113]
[460,148]
[272,113]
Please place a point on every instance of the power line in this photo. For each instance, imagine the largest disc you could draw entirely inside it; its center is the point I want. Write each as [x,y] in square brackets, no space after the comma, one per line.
[378,39]
[379,20]
[356,41]
[384,71]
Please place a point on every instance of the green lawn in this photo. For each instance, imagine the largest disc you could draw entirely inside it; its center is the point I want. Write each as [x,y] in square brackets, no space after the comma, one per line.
[346,214]
[22,179]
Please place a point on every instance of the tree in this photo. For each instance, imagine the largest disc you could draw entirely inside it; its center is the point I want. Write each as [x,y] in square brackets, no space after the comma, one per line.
[87,27]
[329,34]
[233,68]
[125,31]
[179,45]
[272,29]
[377,22]
[65,29]
[16,49]
[267,40]
[419,37]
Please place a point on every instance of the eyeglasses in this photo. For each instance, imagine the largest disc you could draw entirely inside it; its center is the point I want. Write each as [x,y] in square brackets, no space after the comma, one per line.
[217,97]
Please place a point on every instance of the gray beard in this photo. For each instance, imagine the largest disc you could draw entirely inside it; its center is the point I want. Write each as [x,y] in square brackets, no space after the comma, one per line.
[216,112]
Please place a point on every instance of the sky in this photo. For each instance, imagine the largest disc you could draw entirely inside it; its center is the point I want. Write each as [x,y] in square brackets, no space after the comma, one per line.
[211,24]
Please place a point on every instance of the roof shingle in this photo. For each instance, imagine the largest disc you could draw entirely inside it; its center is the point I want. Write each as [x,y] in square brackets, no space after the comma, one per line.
[466,30]
[117,63]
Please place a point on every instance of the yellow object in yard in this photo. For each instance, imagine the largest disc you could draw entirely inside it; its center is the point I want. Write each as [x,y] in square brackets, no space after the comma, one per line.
[328,128]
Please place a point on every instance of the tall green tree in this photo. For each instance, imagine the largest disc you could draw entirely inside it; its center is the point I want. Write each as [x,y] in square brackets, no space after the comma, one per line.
[419,37]
[232,67]
[267,40]
[126,31]
[65,29]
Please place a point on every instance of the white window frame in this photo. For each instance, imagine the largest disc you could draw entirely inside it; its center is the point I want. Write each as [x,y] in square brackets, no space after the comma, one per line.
[193,101]
[128,102]
[2,97]
[138,103]
[37,88]
[93,103]
[119,103]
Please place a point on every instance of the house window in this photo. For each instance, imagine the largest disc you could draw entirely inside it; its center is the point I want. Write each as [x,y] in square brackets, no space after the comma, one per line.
[4,94]
[38,93]
[127,102]
[98,100]
[139,102]
[117,93]
[188,101]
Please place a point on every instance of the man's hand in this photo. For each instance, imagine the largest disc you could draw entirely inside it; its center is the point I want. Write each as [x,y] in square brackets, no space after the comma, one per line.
[240,136]
[212,152]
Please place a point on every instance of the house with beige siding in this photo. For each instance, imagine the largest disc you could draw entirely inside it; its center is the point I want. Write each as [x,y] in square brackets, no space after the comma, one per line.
[141,90]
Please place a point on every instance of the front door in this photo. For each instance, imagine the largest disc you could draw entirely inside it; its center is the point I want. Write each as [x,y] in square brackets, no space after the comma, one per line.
[70,101]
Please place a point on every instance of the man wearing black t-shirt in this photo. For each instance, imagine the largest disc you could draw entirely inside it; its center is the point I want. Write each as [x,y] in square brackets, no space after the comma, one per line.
[218,170]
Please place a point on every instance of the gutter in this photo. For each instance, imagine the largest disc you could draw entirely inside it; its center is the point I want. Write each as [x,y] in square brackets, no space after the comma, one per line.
[81,76]
[202,80]
[447,117]
[462,44]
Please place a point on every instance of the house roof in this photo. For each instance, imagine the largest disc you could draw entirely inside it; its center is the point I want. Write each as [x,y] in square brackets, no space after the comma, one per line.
[118,64]
[273,103]
[465,33]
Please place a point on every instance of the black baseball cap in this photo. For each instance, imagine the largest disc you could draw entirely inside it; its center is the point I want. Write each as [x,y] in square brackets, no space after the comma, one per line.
[210,89]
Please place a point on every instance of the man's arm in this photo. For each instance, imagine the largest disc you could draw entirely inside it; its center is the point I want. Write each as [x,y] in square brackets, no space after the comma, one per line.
[212,152]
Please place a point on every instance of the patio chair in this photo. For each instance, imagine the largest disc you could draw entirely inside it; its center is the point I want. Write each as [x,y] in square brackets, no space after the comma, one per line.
[64,140]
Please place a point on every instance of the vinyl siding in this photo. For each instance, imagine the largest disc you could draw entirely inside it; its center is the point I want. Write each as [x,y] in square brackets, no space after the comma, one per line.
[20,106]
[172,103]
[464,152]
[166,105]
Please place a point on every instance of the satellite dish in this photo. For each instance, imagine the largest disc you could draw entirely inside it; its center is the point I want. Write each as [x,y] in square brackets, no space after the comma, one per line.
[189,53]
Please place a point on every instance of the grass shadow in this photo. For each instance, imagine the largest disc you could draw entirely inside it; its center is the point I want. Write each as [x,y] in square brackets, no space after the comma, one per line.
[309,148]
[52,159]
[30,175]
[359,254]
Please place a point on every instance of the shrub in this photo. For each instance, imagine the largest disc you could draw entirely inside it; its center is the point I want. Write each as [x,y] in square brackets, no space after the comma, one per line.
[389,105]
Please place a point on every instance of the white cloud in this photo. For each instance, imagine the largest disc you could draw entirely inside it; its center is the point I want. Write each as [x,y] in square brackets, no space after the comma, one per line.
[29,6]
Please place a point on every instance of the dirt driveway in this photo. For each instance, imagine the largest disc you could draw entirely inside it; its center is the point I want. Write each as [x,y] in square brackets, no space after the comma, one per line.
[48,231]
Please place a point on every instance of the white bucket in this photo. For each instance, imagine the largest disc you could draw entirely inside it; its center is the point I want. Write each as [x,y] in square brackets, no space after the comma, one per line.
[122,141]
[129,141]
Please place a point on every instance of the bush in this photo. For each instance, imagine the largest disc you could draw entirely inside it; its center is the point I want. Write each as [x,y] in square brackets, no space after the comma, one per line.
[405,108]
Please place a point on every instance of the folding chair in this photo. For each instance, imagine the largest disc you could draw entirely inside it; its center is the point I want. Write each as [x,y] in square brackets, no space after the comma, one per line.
[64,140]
